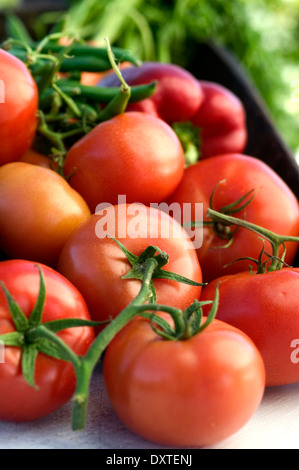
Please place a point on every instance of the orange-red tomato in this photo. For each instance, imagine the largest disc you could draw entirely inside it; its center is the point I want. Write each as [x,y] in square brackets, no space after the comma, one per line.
[133,154]
[183,393]
[95,264]
[18,107]
[265,307]
[38,212]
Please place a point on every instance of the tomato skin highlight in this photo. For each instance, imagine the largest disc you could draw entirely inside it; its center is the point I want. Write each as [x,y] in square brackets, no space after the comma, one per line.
[193,392]
[274,207]
[95,265]
[265,307]
[133,154]
[55,379]
[18,120]
[38,212]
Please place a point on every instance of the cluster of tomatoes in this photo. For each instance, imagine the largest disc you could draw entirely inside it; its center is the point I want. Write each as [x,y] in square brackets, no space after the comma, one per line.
[194,390]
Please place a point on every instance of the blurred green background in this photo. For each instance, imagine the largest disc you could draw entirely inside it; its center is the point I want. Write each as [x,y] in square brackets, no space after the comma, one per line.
[262,34]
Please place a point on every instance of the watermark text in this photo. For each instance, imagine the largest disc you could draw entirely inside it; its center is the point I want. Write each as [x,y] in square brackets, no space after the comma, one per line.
[2,92]
[2,352]
[140,221]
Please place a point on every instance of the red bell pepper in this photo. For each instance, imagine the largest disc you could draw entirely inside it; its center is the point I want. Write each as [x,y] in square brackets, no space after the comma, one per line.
[216,114]
[222,120]
[177,96]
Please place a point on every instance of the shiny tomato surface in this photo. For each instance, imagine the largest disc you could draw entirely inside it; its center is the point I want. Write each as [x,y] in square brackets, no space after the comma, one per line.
[38,212]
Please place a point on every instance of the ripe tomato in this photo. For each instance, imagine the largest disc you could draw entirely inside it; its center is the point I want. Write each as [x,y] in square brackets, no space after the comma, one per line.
[18,107]
[133,154]
[274,207]
[36,158]
[38,212]
[54,378]
[192,392]
[265,307]
[95,264]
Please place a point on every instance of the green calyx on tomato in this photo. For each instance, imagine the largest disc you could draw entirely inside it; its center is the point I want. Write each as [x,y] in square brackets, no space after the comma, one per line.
[139,265]
[187,323]
[33,336]
[221,227]
[276,240]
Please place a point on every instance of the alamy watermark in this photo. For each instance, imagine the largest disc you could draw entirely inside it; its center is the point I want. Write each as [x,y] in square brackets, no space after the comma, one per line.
[2,352]
[135,221]
[2,92]
[295,353]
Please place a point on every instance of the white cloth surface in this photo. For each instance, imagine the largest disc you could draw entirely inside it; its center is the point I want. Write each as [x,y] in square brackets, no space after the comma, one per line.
[275,425]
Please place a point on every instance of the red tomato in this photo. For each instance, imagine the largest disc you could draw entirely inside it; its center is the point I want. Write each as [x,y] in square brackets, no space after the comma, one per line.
[55,378]
[95,263]
[38,212]
[36,158]
[18,107]
[133,154]
[183,393]
[274,207]
[265,307]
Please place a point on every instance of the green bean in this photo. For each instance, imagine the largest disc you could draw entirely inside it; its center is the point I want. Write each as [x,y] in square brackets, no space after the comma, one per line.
[85,64]
[105,94]
[96,94]
[79,50]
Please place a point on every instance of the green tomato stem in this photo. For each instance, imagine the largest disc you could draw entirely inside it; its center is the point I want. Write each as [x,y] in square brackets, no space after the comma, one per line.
[119,103]
[88,363]
[276,240]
